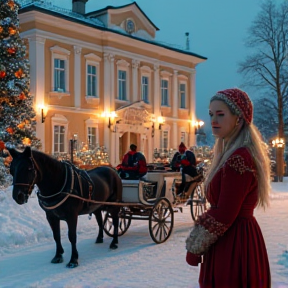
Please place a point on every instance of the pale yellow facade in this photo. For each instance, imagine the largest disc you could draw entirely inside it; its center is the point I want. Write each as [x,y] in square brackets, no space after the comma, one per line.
[79,44]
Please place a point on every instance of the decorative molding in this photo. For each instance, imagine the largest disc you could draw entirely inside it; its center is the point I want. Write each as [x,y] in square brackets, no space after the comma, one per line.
[77,49]
[156,67]
[135,63]
[109,57]
[93,57]
[59,50]
[58,94]
[145,69]
[37,39]
[165,73]
[123,63]
[182,76]
[92,100]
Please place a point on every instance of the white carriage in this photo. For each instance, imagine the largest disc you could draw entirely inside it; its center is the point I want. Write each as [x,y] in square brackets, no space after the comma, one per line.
[152,198]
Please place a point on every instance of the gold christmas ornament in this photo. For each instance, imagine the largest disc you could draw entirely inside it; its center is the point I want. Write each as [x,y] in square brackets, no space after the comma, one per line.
[26,141]
[12,31]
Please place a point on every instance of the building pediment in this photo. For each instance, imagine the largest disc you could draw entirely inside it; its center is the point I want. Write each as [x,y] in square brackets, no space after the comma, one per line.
[134,114]
[128,19]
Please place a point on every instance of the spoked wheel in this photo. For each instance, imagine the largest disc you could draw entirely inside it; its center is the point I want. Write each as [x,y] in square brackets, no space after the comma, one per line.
[161,221]
[198,203]
[108,224]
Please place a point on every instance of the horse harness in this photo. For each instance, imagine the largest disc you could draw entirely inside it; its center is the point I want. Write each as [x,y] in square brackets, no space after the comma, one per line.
[77,184]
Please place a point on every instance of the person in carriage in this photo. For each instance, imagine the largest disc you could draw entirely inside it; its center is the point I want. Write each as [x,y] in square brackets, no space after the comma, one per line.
[184,160]
[133,165]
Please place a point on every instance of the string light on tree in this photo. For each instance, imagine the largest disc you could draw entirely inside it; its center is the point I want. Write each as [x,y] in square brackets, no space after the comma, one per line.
[17,115]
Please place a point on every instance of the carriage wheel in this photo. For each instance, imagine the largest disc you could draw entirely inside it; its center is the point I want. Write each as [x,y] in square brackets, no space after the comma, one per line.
[108,224]
[198,203]
[161,221]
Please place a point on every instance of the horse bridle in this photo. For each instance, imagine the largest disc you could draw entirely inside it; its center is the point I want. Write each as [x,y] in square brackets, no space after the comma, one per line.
[31,186]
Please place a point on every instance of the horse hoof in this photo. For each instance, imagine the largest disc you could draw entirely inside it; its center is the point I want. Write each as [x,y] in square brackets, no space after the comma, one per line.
[99,240]
[113,246]
[57,259]
[72,265]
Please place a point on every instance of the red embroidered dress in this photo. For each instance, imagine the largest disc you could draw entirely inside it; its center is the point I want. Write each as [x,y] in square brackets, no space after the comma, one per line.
[227,235]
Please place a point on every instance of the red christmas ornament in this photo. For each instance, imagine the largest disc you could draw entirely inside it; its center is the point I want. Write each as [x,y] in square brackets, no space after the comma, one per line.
[10,130]
[11,50]
[22,96]
[2,74]
[2,145]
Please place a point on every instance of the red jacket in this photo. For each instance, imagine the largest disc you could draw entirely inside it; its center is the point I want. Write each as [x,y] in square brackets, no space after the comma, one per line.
[134,161]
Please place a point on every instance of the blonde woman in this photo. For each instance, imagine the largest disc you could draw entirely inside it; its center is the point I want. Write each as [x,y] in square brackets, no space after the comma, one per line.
[227,239]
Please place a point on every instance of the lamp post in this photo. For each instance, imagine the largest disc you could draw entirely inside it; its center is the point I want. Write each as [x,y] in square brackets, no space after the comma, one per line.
[197,125]
[278,144]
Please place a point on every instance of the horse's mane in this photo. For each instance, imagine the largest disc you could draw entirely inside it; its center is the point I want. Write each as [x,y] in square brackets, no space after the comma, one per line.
[49,162]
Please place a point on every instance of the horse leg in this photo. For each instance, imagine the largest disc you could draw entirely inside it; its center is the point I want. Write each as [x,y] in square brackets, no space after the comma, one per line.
[98,216]
[115,219]
[72,227]
[54,223]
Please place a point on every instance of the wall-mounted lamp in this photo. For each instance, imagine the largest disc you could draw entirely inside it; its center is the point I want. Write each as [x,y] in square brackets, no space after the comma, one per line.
[161,121]
[110,116]
[197,125]
[43,112]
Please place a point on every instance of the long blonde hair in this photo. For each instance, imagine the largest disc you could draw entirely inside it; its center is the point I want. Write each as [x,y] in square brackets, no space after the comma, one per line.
[247,135]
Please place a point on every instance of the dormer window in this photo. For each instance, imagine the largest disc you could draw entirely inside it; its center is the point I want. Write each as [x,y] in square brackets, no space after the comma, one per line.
[130,26]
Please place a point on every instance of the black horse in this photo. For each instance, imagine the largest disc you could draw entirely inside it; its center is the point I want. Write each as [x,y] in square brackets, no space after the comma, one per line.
[62,188]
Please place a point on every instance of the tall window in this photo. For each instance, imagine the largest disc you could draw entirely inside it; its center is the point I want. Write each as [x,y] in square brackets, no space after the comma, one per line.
[122,84]
[60,71]
[92,80]
[59,138]
[164,92]
[59,75]
[92,136]
[145,89]
[183,137]
[164,139]
[182,93]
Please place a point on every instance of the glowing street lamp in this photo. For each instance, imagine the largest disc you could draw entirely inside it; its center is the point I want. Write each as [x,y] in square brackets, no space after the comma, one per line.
[279,144]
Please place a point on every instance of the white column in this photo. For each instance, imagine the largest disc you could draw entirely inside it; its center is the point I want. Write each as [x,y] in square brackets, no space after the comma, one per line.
[135,66]
[112,82]
[37,84]
[106,102]
[175,95]
[192,107]
[157,102]
[77,76]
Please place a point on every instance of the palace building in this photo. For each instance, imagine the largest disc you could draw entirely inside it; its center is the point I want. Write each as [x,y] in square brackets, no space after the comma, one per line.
[101,78]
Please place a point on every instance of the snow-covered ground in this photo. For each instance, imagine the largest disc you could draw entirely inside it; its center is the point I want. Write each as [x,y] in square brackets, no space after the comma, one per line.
[27,246]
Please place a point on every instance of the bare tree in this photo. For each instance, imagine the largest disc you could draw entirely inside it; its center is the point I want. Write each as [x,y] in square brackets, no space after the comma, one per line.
[267,68]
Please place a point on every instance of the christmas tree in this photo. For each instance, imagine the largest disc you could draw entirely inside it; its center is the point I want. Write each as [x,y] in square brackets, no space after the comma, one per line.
[17,115]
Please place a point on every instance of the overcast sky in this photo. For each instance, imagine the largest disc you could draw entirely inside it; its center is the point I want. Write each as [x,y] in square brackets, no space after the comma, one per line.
[217,30]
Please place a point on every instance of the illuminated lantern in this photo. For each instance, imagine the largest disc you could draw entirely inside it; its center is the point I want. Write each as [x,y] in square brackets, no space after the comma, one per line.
[1,29]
